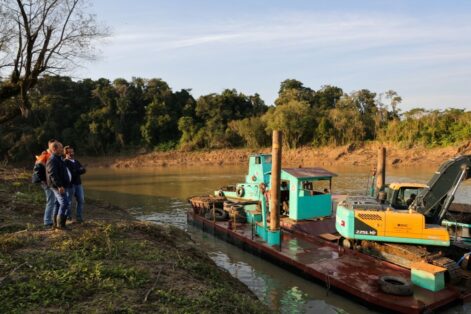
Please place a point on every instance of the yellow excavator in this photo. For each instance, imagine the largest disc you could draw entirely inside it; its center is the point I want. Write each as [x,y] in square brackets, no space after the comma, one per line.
[406,230]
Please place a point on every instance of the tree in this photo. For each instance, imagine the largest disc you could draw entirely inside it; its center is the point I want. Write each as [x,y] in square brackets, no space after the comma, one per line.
[252,130]
[327,97]
[39,37]
[395,100]
[291,89]
[365,102]
[294,119]
[347,121]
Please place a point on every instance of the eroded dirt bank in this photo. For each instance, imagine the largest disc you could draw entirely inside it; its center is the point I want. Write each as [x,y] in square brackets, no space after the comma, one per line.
[353,155]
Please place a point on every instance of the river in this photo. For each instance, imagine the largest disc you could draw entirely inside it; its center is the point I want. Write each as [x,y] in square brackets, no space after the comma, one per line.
[159,195]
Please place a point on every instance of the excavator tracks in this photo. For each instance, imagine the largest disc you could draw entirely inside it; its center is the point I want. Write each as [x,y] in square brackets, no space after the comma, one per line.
[454,273]
[404,255]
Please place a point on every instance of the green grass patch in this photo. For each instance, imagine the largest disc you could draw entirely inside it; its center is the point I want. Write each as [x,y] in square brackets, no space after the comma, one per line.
[101,267]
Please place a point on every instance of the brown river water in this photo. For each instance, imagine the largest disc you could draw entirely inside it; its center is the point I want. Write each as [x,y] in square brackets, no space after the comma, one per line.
[159,195]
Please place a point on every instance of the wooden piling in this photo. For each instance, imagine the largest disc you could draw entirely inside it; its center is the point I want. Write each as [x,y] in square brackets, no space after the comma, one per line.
[381,170]
[275,181]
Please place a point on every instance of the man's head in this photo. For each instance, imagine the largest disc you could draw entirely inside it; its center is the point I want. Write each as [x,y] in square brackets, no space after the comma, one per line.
[49,144]
[57,148]
[69,152]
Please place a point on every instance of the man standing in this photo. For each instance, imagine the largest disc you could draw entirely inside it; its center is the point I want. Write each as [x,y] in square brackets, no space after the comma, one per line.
[58,180]
[40,172]
[76,188]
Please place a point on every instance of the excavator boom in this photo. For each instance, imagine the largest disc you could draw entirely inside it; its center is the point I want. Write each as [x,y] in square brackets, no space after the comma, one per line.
[433,201]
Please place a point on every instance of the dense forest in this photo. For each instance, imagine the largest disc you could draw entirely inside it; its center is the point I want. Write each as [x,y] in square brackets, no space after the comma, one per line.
[102,117]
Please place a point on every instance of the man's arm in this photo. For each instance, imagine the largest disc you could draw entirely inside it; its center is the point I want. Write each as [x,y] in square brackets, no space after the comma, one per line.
[81,169]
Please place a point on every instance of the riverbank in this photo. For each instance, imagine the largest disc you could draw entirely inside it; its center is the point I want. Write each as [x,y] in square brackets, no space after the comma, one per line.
[349,155]
[110,263]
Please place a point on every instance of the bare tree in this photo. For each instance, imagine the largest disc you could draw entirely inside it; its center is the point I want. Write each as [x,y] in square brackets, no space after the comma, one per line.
[41,37]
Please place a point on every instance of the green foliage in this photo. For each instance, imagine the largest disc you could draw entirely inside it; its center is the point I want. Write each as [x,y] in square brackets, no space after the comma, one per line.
[430,128]
[294,119]
[102,117]
[348,121]
[252,130]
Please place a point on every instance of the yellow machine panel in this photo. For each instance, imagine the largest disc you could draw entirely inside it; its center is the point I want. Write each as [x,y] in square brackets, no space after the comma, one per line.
[404,224]
[394,224]
[369,222]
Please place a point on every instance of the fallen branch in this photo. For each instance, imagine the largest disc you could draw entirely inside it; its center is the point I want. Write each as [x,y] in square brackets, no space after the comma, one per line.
[152,288]
[11,272]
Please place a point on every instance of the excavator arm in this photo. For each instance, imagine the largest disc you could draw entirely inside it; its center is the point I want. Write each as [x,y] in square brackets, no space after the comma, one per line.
[436,198]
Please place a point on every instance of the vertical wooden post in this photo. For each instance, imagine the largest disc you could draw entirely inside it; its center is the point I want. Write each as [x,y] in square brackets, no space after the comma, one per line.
[381,170]
[275,181]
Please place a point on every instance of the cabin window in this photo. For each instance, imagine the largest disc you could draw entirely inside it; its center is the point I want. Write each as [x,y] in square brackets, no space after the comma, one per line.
[258,160]
[284,197]
[407,196]
[316,187]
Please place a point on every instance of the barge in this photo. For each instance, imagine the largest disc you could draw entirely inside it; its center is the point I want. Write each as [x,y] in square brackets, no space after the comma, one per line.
[299,233]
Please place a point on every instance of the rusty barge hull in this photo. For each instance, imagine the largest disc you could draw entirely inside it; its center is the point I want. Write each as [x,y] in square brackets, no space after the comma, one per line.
[345,271]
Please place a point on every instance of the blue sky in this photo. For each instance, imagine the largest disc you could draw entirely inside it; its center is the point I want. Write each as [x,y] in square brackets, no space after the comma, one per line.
[421,49]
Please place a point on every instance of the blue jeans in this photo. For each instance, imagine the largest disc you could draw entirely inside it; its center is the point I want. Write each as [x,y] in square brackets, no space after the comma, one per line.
[50,204]
[61,204]
[77,192]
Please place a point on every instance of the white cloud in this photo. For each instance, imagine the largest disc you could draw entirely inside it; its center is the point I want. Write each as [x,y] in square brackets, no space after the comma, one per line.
[306,30]
[425,59]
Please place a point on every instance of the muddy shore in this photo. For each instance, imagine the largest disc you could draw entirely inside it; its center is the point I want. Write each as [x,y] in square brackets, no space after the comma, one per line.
[110,263]
[349,155]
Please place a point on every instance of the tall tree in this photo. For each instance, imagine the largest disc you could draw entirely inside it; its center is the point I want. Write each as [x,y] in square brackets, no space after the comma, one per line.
[38,37]
[395,100]
[326,97]
[294,119]
[291,89]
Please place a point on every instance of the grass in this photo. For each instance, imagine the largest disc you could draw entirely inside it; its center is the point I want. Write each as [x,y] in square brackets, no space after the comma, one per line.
[115,265]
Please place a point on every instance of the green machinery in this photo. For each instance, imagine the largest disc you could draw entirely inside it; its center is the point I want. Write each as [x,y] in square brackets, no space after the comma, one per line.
[305,193]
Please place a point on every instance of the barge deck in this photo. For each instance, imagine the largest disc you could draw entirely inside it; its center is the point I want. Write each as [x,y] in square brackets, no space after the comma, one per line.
[323,261]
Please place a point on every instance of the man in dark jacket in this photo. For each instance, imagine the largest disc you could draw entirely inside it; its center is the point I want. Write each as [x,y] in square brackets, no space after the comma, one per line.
[58,179]
[39,176]
[76,188]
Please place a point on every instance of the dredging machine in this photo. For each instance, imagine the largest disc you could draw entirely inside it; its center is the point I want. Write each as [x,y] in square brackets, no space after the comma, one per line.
[291,216]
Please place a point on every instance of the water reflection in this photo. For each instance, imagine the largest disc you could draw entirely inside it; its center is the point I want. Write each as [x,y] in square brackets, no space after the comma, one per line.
[159,195]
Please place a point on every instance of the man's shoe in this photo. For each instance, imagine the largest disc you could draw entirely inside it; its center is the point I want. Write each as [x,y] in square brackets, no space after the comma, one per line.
[49,226]
[62,220]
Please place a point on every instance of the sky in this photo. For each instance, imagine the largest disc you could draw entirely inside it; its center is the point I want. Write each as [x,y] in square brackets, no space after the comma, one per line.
[421,49]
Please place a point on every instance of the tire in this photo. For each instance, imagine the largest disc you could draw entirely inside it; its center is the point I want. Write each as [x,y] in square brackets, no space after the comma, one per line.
[395,285]
[220,214]
[221,193]
[240,192]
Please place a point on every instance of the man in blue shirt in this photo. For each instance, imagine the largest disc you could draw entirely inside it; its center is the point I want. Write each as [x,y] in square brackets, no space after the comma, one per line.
[76,188]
